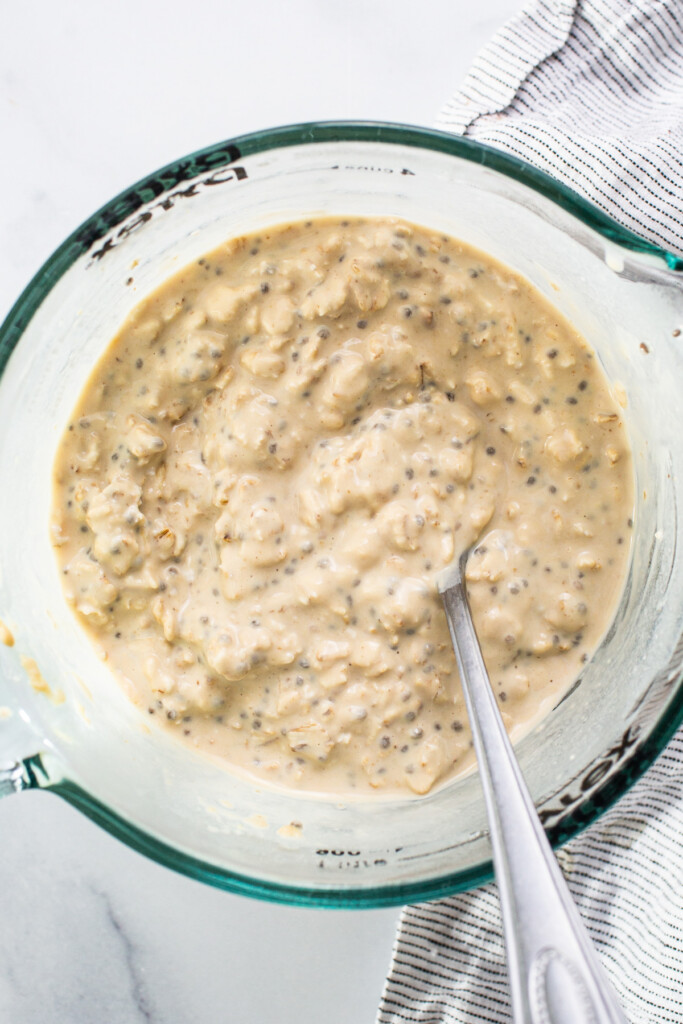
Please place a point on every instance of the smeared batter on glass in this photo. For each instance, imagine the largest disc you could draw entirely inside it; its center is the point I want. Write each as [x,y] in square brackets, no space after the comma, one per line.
[281,449]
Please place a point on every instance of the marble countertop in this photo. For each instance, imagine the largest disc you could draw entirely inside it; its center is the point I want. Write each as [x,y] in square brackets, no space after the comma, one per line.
[92,98]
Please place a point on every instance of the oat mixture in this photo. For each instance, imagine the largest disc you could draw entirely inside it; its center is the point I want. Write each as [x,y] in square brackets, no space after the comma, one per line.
[278,453]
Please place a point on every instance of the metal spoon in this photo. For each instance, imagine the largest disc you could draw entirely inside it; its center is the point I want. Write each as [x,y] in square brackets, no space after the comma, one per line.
[554,972]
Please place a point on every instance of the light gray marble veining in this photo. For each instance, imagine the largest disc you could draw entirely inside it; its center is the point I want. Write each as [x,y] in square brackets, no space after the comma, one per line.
[93,932]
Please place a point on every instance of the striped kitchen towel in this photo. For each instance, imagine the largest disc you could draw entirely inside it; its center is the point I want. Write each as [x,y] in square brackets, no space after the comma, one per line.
[591,91]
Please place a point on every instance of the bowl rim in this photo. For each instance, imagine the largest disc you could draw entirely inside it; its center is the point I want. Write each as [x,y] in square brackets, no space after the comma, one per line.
[222,154]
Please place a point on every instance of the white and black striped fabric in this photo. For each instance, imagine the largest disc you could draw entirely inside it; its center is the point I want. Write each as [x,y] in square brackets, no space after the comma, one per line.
[592,93]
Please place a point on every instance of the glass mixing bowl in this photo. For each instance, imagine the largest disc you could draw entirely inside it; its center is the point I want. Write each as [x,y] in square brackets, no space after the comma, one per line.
[73,732]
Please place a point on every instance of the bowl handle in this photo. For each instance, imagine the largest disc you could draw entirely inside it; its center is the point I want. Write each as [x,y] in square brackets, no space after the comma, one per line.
[24,774]
[21,765]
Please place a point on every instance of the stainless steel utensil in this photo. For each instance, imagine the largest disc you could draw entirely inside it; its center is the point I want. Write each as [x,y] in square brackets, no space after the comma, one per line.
[554,972]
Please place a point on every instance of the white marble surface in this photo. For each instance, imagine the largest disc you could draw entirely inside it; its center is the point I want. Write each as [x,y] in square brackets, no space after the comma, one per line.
[92,97]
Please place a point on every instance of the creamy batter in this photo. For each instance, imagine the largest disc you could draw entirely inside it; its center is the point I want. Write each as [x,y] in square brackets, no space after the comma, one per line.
[278,453]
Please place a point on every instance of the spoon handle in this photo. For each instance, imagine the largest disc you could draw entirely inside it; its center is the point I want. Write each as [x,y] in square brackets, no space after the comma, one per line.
[554,972]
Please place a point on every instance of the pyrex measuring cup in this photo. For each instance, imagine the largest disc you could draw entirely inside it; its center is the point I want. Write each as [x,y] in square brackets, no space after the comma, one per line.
[72,730]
